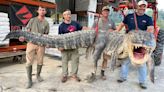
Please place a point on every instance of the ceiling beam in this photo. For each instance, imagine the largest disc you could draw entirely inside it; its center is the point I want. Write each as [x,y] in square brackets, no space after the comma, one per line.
[29,2]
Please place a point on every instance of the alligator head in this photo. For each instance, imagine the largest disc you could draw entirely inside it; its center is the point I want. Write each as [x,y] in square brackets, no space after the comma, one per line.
[140,44]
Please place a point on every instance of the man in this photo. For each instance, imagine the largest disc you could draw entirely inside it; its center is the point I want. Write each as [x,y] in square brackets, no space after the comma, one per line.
[70,54]
[105,24]
[144,23]
[38,25]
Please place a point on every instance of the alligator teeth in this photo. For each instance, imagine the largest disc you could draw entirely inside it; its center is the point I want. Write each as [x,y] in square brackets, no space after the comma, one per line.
[135,46]
[138,46]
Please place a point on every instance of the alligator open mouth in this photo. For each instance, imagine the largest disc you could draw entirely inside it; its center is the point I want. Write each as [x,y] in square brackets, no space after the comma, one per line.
[138,54]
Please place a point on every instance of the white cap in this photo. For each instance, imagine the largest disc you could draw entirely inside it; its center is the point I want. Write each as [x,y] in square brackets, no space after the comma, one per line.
[141,2]
[105,8]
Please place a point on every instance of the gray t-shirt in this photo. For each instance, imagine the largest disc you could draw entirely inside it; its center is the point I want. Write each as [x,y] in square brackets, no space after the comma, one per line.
[104,25]
[37,26]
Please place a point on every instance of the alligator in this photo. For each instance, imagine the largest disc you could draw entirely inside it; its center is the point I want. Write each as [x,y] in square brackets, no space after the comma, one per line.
[138,46]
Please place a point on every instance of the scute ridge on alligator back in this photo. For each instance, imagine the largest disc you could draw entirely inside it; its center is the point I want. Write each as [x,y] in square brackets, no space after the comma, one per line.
[67,41]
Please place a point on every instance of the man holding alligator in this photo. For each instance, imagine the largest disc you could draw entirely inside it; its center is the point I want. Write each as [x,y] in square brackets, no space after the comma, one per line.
[37,25]
[104,23]
[69,54]
[144,22]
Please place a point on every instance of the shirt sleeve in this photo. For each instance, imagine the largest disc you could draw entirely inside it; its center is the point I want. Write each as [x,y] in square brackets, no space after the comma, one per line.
[79,27]
[47,28]
[29,25]
[113,25]
[94,24]
[125,21]
[60,30]
[150,22]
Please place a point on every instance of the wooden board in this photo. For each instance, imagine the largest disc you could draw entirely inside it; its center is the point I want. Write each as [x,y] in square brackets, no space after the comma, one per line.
[10,48]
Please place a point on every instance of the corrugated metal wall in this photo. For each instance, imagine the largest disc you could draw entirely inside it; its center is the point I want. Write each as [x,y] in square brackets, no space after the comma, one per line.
[65,4]
[81,5]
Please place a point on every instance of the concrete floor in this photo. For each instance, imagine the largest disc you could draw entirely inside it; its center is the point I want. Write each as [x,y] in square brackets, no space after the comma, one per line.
[13,78]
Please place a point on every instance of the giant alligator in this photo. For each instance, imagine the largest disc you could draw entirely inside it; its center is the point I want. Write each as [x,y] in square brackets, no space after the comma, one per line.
[138,46]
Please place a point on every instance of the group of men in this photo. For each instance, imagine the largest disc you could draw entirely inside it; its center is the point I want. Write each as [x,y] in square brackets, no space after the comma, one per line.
[40,25]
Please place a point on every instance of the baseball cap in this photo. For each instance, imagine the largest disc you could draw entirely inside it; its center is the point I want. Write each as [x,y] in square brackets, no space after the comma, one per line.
[105,8]
[141,2]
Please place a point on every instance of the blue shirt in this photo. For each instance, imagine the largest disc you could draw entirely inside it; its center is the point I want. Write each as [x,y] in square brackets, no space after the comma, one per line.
[143,22]
[66,28]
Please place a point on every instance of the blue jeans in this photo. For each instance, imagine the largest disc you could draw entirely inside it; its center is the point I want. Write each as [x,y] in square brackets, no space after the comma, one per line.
[142,71]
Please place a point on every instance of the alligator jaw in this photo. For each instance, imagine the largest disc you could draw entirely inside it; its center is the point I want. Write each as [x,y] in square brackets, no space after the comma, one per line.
[139,54]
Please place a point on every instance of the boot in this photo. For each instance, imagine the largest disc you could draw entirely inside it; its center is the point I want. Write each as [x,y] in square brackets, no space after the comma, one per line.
[91,78]
[121,80]
[29,76]
[103,77]
[143,85]
[39,68]
[64,79]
